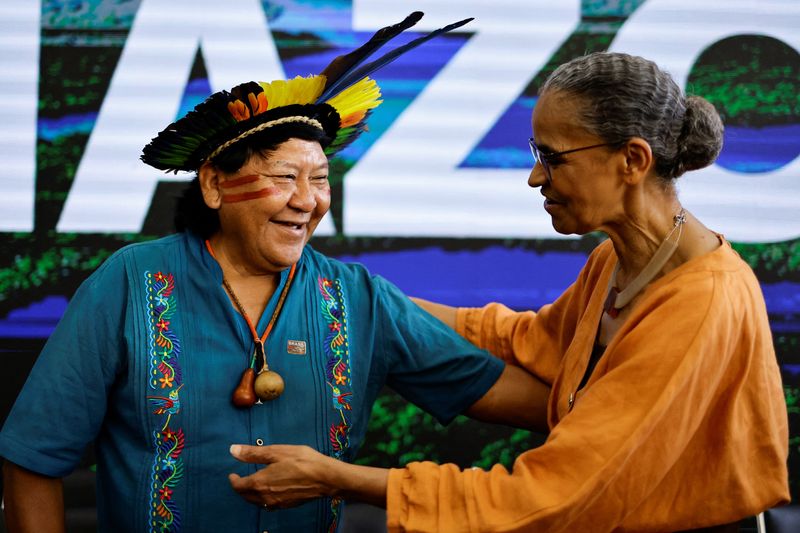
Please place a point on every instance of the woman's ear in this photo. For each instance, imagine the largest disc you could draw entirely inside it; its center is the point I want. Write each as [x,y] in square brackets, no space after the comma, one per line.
[209,178]
[638,160]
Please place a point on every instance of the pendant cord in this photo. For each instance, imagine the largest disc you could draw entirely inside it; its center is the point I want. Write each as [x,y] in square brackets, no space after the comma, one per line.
[260,342]
[616,299]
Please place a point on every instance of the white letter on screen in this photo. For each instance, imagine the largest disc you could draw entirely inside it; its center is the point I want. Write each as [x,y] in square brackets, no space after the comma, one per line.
[19,100]
[112,190]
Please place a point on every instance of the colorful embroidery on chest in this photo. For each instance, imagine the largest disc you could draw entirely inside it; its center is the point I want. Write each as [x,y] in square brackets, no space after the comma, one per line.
[337,374]
[165,378]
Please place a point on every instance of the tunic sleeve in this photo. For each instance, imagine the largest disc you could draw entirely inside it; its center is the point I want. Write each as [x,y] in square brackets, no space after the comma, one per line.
[428,363]
[63,402]
[678,380]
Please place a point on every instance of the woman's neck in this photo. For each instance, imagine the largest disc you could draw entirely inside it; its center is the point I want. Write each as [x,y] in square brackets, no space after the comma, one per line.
[636,242]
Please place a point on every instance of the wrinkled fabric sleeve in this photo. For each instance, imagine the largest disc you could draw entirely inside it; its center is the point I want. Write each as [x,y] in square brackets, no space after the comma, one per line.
[535,341]
[62,405]
[607,455]
[428,363]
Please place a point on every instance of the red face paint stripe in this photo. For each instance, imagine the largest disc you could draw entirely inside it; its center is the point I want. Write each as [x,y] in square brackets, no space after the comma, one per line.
[263,193]
[242,180]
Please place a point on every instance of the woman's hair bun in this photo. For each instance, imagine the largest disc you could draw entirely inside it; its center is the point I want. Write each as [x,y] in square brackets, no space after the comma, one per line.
[700,140]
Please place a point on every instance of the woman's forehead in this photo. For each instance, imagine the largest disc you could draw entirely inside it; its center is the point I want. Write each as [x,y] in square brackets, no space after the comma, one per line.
[552,108]
[555,114]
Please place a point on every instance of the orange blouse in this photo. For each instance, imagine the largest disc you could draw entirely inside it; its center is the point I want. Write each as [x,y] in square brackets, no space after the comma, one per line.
[682,425]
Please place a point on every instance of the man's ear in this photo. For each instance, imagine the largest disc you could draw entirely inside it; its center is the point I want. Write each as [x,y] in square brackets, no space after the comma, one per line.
[209,178]
[638,160]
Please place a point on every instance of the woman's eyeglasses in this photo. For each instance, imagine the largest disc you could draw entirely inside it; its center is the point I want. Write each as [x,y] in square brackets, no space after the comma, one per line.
[548,158]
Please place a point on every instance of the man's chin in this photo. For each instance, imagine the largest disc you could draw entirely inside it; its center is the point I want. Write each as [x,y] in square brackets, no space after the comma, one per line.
[286,260]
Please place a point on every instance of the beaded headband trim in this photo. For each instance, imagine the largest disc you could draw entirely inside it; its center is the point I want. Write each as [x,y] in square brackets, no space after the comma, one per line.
[310,121]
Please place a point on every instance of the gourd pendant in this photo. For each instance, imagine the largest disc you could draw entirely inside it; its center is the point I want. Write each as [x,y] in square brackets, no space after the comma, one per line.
[245,395]
[268,385]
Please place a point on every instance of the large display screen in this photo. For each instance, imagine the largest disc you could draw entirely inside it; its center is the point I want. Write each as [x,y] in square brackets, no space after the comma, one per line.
[434,197]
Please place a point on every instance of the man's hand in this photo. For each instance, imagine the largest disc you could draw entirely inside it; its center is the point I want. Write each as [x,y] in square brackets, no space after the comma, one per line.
[297,474]
[292,475]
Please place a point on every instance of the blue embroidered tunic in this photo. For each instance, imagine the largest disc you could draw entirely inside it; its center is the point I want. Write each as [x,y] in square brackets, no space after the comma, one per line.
[146,357]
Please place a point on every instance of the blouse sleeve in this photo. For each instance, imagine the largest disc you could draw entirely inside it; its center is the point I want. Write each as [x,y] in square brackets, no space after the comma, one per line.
[63,402]
[657,384]
[535,341]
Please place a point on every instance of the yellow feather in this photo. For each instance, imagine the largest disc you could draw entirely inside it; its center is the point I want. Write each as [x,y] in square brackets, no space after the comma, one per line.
[357,99]
[298,90]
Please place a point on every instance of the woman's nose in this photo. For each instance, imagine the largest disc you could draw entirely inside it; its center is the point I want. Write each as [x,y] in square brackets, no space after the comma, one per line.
[537,177]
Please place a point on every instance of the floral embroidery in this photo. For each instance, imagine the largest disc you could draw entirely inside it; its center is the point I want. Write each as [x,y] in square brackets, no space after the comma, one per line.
[337,374]
[168,441]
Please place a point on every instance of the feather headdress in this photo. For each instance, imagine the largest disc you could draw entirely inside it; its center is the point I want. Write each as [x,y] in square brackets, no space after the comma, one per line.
[337,101]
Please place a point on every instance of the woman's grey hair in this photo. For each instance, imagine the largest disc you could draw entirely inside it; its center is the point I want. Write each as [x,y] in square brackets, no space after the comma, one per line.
[622,96]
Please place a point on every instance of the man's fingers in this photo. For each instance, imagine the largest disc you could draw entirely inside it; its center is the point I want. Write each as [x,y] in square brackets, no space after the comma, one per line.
[245,486]
[265,454]
[252,454]
[238,482]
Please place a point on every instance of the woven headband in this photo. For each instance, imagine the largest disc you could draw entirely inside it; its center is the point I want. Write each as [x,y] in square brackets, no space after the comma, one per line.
[261,127]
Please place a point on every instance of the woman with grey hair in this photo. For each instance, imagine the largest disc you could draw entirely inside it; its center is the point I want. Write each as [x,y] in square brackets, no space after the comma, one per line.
[666,411]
